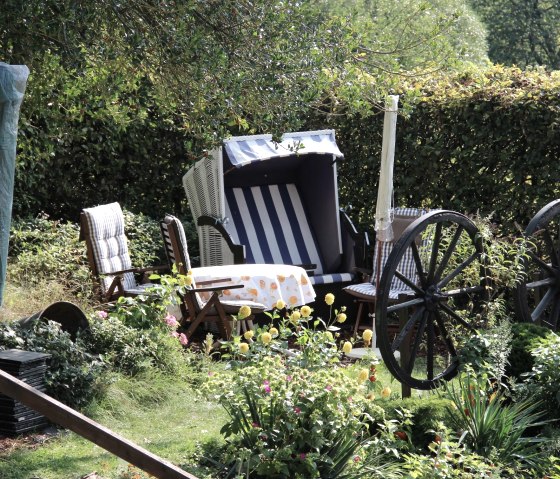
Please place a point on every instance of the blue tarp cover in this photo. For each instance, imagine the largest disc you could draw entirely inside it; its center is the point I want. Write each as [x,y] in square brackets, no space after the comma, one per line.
[13,79]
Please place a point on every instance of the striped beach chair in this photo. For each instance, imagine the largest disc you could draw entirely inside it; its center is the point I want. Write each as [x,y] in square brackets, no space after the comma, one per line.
[258,201]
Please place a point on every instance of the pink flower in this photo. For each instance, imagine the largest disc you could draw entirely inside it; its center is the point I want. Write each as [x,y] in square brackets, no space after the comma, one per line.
[266,382]
[302,456]
[357,458]
[183,339]
[329,388]
[297,410]
[289,378]
[171,321]
[256,424]
[267,389]
[102,314]
[175,334]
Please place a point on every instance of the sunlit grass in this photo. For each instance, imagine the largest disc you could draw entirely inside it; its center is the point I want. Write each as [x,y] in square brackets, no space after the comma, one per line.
[161,414]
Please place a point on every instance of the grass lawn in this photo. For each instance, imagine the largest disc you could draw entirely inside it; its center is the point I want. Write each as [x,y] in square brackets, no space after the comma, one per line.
[160,414]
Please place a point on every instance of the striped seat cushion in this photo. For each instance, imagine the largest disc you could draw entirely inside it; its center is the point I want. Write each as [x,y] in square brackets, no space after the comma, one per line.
[271,221]
[110,248]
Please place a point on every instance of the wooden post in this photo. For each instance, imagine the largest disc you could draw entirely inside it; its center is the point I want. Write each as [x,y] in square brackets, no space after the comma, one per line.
[85,427]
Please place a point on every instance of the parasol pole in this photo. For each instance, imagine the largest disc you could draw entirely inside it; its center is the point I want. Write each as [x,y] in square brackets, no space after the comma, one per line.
[384,206]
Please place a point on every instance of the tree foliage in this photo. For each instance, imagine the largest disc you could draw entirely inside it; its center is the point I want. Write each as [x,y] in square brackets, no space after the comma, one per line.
[522,32]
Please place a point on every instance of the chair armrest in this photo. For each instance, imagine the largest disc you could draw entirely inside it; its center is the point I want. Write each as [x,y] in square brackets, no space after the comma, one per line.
[238,250]
[309,268]
[214,288]
[136,270]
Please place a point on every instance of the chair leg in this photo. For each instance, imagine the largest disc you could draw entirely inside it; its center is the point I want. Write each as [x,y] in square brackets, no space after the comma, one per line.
[358,317]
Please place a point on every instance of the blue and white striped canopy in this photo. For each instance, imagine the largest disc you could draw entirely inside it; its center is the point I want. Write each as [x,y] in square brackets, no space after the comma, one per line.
[243,150]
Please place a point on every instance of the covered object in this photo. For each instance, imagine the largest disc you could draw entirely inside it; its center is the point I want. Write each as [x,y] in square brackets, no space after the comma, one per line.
[13,79]
[260,201]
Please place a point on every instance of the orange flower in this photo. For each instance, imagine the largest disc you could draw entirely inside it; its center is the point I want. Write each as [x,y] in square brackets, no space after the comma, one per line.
[252,291]
[293,299]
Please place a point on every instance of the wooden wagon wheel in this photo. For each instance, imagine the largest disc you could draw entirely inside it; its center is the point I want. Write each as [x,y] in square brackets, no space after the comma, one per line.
[444,251]
[537,297]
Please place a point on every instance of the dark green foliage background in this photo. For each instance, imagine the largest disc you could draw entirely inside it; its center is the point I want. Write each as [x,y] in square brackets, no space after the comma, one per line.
[485,141]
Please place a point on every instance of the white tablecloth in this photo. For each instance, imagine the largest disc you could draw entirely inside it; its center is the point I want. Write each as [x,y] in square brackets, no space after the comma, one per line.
[263,283]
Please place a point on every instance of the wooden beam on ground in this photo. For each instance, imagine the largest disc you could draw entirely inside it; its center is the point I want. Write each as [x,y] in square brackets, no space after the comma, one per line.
[69,418]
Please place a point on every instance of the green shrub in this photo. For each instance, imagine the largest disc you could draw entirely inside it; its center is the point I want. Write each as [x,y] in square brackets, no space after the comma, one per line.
[72,370]
[525,339]
[543,382]
[424,414]
[491,425]
[46,249]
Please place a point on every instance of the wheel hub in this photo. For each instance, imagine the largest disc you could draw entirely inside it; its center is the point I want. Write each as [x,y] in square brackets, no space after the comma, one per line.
[432,297]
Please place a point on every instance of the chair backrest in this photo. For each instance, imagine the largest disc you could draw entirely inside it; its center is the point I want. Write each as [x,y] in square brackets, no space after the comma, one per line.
[175,241]
[102,227]
[271,221]
[402,218]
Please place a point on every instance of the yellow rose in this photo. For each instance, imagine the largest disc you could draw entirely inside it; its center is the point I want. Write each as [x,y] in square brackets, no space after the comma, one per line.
[249,334]
[273,331]
[363,375]
[329,299]
[329,336]
[266,338]
[367,335]
[244,312]
[341,318]
[243,348]
[294,318]
[347,347]
[386,392]
[370,396]
[280,304]
[186,280]
[305,311]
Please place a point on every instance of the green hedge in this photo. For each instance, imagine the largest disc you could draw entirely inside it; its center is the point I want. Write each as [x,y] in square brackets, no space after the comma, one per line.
[478,141]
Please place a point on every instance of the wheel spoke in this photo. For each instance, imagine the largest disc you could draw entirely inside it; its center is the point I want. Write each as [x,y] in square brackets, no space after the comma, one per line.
[435,249]
[445,334]
[405,304]
[544,266]
[457,270]
[417,341]
[455,316]
[553,320]
[408,282]
[547,298]
[430,351]
[403,333]
[540,283]
[419,266]
[448,253]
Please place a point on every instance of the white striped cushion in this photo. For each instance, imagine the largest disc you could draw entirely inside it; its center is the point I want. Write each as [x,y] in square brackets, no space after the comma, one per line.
[110,248]
[271,222]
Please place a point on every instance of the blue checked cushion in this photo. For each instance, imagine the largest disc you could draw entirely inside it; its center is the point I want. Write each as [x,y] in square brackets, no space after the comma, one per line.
[407,266]
[109,243]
